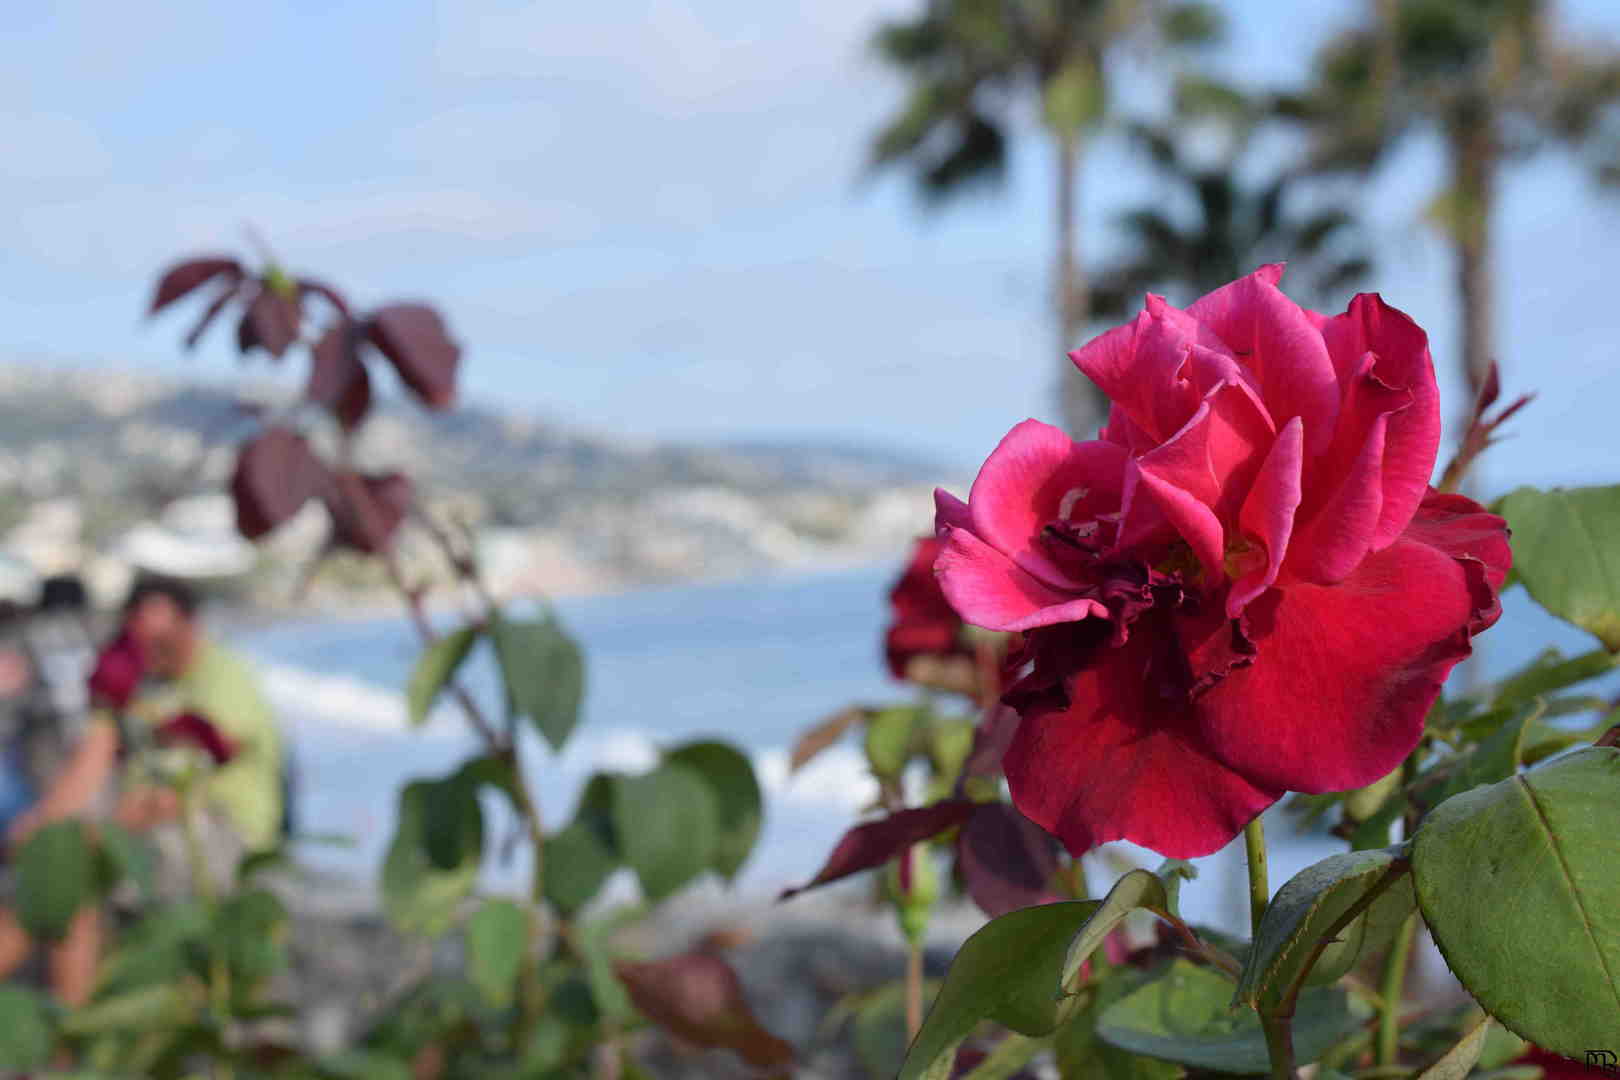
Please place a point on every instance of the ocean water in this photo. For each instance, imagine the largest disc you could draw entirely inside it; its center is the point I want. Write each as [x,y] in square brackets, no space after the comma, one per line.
[751,662]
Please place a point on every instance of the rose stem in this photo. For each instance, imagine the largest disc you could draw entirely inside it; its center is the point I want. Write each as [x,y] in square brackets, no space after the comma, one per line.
[1254,841]
[914,988]
[1389,1024]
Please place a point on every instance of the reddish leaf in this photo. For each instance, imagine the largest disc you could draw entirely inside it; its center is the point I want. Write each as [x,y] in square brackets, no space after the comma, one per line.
[309,286]
[193,729]
[414,339]
[367,509]
[824,734]
[276,474]
[990,741]
[337,376]
[210,313]
[875,843]
[698,998]
[1007,861]
[269,323]
[182,278]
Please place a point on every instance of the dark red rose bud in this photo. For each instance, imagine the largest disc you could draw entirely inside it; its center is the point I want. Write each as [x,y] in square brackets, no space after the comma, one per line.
[117,673]
[191,729]
[925,625]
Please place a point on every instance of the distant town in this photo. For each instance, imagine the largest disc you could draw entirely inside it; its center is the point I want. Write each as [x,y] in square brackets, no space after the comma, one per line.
[106,474]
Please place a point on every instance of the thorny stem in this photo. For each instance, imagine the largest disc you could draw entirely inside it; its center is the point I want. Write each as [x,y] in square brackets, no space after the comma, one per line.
[1389,1024]
[1254,843]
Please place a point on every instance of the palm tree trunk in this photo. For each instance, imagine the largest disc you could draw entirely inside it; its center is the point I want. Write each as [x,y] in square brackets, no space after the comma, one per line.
[1473,164]
[1078,400]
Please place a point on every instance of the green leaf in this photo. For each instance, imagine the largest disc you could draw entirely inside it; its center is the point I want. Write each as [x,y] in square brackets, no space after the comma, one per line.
[1074,97]
[1186,1015]
[146,1009]
[25,1028]
[435,668]
[1564,551]
[1136,889]
[363,1065]
[1550,672]
[126,856]
[1460,1060]
[252,928]
[1517,883]
[737,798]
[1081,1055]
[667,825]
[418,897]
[1310,907]
[497,939]
[544,673]
[1009,972]
[55,870]
[577,862]
[452,821]
[891,735]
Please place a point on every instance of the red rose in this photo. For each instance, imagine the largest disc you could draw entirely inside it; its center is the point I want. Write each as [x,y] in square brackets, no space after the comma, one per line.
[191,729]
[924,623]
[117,673]
[1243,587]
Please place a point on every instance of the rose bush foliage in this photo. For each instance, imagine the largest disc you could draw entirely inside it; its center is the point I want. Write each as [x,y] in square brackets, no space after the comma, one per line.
[1244,586]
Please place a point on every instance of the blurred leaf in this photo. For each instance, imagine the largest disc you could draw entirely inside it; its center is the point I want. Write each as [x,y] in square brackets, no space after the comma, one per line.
[697,997]
[435,667]
[54,874]
[127,856]
[1550,672]
[1007,972]
[417,897]
[338,381]
[891,736]
[270,322]
[497,940]
[146,1009]
[1006,861]
[363,1065]
[1310,905]
[182,278]
[252,928]
[737,798]
[415,340]
[367,508]
[876,842]
[1460,1060]
[1186,1015]
[276,474]
[577,863]
[1539,843]
[544,673]
[824,734]
[25,1028]
[1074,97]
[668,827]
[452,821]
[1564,553]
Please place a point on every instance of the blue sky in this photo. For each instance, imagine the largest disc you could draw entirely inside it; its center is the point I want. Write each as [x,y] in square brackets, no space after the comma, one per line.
[647,217]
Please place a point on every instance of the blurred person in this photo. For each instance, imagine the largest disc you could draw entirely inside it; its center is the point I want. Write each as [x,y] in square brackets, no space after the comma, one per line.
[160,675]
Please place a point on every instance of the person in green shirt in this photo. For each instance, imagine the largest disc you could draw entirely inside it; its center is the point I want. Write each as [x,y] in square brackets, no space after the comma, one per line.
[238,804]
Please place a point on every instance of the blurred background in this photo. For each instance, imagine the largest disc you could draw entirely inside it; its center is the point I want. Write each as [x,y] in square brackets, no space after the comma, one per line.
[737,285]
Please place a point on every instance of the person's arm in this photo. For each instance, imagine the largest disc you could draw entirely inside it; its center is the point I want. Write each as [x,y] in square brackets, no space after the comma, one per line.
[76,786]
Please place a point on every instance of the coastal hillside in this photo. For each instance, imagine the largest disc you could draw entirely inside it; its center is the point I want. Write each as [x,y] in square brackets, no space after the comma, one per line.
[105,470]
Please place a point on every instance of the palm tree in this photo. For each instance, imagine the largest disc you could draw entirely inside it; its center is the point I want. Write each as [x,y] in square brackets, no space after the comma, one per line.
[1234,224]
[1497,83]
[975,66]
